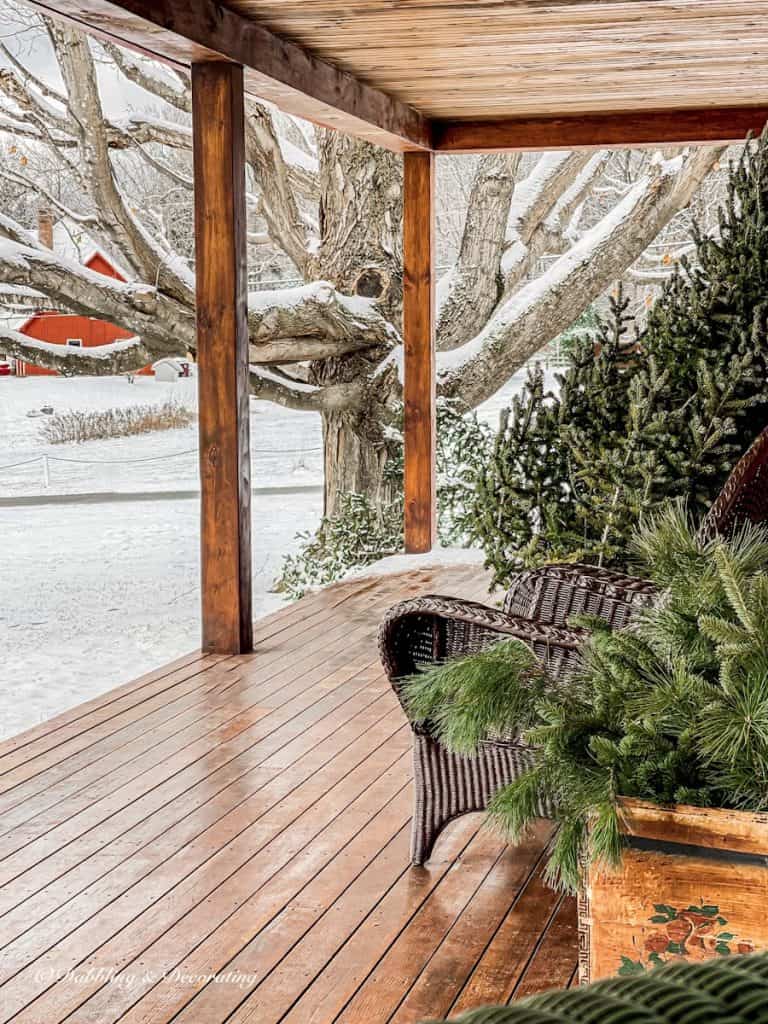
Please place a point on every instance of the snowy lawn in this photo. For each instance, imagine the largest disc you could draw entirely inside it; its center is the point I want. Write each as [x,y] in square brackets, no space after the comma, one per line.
[286,445]
[92,595]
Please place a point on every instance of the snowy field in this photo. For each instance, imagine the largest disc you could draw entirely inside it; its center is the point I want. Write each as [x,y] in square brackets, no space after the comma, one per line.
[95,593]
[286,445]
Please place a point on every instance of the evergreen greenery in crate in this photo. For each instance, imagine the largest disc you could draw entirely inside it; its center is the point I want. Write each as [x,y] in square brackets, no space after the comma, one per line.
[672,709]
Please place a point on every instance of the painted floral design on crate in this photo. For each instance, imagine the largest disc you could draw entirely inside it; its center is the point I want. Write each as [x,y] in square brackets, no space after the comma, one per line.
[694,933]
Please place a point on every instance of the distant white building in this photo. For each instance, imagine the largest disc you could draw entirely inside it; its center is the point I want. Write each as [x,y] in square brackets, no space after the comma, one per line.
[171,369]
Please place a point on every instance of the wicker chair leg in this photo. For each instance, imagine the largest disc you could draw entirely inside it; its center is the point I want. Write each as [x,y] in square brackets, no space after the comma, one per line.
[449,785]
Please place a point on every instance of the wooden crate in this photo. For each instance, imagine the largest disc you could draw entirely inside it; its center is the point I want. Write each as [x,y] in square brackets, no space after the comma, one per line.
[693,884]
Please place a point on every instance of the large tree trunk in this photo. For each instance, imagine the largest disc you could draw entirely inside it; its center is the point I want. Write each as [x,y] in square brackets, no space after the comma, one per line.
[354,461]
[360,224]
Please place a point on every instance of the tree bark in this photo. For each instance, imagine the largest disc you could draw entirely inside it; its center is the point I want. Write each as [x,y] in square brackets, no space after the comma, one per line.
[475,281]
[361,210]
[355,459]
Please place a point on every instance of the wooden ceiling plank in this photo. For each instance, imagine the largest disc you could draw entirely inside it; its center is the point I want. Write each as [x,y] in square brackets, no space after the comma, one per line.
[638,128]
[277,70]
[382,69]
[482,59]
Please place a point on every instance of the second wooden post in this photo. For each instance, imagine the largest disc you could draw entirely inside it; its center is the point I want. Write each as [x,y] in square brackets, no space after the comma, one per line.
[419,346]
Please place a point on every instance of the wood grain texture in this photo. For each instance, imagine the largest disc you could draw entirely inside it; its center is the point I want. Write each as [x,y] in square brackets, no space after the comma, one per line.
[419,388]
[385,70]
[713,827]
[250,814]
[702,126]
[696,889]
[493,58]
[222,356]
[500,969]
[277,70]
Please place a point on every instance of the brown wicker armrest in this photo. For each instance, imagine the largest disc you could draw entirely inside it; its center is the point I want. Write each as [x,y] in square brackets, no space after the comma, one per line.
[448,784]
[553,593]
[434,628]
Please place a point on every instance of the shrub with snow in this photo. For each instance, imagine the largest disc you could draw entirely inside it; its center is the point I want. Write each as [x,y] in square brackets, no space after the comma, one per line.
[97,424]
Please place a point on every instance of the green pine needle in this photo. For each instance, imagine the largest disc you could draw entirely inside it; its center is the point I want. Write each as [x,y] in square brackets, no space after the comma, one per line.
[672,708]
[490,695]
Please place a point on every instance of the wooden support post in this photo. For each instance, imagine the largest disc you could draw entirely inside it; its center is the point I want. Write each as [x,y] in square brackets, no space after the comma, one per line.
[222,355]
[419,348]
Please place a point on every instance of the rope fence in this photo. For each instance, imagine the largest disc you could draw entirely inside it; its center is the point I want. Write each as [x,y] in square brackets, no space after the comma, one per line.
[44,459]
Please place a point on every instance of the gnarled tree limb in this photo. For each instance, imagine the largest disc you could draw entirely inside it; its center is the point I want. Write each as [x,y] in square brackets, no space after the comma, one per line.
[474,280]
[102,361]
[547,306]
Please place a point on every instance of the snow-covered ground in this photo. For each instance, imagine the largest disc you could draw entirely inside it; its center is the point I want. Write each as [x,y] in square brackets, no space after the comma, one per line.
[286,445]
[92,595]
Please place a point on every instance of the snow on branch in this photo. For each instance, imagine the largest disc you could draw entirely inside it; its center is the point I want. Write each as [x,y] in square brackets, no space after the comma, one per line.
[294,394]
[166,326]
[313,321]
[289,326]
[545,307]
[535,196]
[468,294]
[279,205]
[151,77]
[118,357]
[18,178]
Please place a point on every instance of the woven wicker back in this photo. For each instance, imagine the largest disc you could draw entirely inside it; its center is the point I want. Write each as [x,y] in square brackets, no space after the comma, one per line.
[744,498]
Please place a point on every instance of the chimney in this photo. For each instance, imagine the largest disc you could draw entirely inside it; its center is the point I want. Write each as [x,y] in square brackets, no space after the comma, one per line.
[45,227]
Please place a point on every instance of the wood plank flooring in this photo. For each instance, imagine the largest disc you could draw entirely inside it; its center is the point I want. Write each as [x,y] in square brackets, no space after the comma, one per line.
[226,840]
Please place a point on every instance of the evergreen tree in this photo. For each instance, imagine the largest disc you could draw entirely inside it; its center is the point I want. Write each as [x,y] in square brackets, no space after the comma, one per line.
[637,424]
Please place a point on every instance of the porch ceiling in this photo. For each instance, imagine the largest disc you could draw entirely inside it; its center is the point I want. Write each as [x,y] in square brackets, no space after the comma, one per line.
[468,75]
[477,59]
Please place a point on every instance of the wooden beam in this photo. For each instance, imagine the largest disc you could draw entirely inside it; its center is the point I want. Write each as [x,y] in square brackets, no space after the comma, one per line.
[419,349]
[705,126]
[181,32]
[222,355]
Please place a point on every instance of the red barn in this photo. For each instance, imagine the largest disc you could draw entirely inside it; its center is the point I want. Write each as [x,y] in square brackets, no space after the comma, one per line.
[70,329]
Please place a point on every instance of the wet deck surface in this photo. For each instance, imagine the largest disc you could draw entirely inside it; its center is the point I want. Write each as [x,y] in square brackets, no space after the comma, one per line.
[226,839]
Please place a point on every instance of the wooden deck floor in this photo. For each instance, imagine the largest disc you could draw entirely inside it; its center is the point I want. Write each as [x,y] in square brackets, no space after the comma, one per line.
[248,818]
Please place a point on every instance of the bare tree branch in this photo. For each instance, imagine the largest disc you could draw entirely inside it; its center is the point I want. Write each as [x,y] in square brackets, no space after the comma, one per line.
[474,280]
[314,322]
[102,361]
[278,205]
[135,245]
[165,326]
[17,178]
[138,73]
[544,233]
[546,306]
[16,89]
[30,79]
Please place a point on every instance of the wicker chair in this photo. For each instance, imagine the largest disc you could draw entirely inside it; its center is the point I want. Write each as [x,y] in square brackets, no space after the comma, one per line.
[536,609]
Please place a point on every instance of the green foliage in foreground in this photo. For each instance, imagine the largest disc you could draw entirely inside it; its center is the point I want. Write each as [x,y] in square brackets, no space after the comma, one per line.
[732,990]
[673,708]
[359,533]
[483,696]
